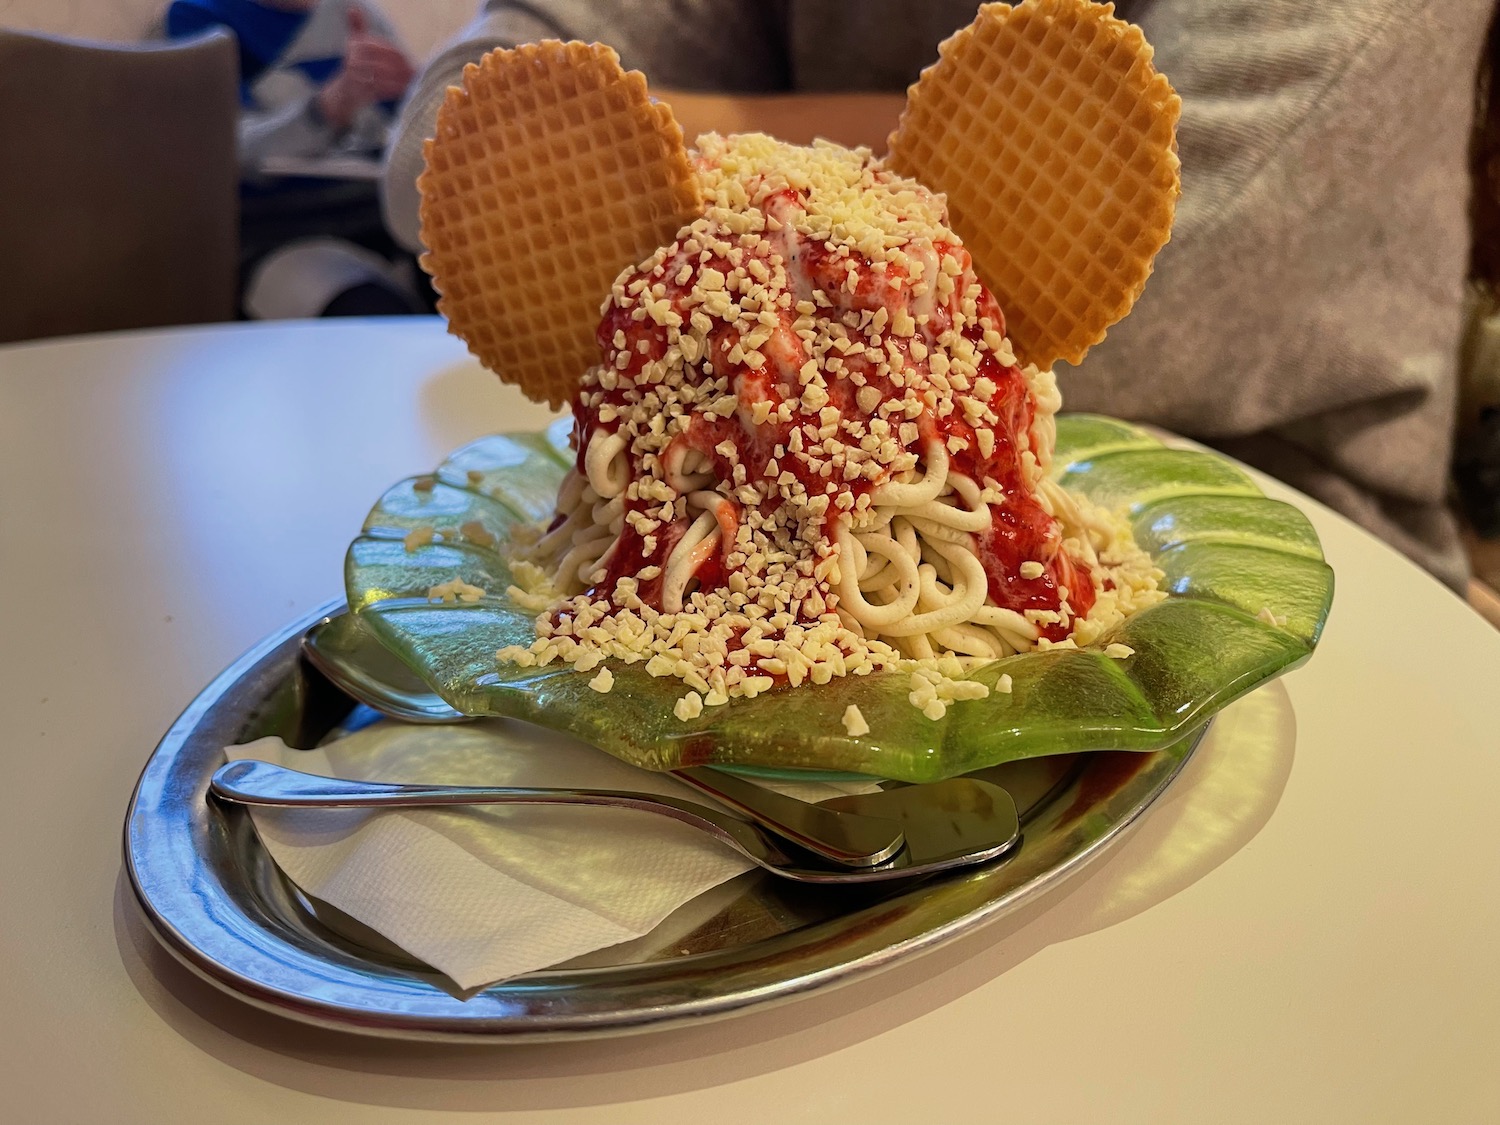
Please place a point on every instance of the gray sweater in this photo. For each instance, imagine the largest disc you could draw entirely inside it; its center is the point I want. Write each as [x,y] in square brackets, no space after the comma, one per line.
[1305,316]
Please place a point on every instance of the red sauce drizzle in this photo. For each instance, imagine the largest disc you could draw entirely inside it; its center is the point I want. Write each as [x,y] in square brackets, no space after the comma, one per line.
[1021,529]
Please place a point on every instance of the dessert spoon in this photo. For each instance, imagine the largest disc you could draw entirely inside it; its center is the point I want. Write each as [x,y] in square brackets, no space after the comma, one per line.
[945,824]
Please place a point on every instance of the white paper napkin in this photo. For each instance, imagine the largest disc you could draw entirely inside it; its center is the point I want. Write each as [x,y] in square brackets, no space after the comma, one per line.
[487,893]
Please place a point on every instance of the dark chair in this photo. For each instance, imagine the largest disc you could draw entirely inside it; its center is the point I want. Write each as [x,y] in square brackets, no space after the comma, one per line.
[118,184]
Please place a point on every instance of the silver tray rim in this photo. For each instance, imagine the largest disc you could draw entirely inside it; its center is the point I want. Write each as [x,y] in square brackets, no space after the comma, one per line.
[175,854]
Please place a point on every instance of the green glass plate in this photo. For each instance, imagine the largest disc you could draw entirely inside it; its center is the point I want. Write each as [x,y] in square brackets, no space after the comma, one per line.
[1227,551]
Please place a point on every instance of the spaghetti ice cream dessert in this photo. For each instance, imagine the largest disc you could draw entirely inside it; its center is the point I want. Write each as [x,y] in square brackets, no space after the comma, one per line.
[806,445]
[808,451]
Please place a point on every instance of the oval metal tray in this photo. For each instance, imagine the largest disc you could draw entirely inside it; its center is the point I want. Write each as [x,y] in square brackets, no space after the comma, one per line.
[216,901]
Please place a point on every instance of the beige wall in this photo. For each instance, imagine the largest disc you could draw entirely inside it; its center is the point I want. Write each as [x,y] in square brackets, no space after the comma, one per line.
[422,24]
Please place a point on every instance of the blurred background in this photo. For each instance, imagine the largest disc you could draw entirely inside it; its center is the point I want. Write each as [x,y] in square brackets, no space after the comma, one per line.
[423,25]
[126,202]
[241,139]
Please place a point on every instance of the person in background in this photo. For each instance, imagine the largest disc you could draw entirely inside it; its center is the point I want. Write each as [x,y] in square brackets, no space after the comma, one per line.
[318,78]
[1306,315]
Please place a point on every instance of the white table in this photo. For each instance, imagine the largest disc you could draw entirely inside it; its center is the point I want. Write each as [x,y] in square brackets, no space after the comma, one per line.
[1307,929]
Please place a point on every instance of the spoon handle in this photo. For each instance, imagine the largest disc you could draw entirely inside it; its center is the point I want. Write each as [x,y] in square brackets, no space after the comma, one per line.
[251,782]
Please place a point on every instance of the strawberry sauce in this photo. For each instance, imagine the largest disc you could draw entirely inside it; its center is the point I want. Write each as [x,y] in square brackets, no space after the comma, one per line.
[842,285]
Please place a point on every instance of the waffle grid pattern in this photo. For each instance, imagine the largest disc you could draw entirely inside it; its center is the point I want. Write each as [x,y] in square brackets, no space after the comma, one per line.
[549,172]
[1053,137]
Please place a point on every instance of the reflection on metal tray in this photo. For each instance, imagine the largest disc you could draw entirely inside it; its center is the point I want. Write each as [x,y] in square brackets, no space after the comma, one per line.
[217,902]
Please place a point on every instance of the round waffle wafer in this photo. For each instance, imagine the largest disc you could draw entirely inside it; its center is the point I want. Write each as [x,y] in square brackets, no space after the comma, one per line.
[550,172]
[1054,139]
